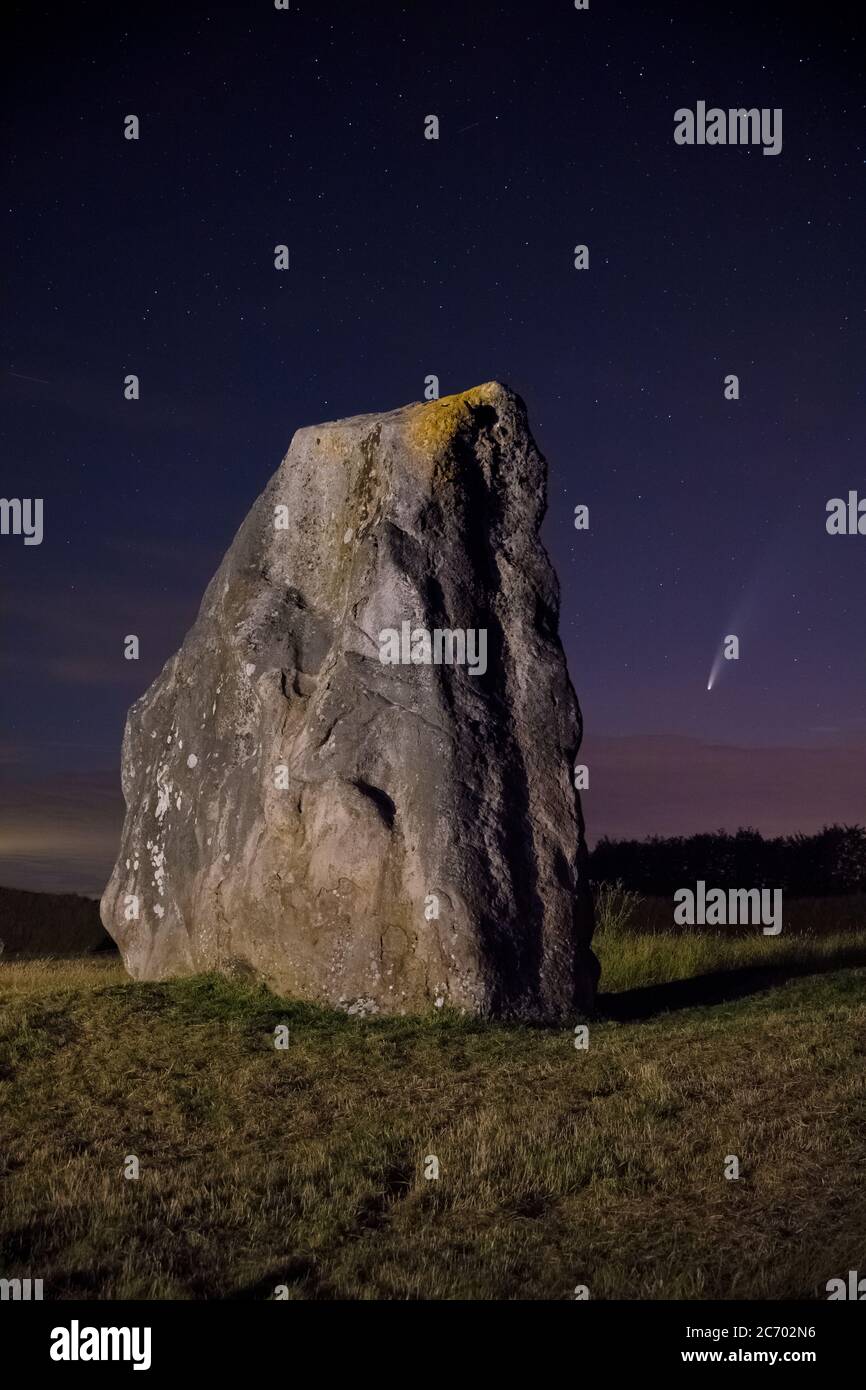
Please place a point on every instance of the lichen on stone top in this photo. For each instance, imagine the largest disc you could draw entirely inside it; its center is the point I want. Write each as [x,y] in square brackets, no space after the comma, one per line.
[433,425]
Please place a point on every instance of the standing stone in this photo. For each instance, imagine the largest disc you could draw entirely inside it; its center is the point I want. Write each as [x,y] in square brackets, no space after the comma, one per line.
[312,797]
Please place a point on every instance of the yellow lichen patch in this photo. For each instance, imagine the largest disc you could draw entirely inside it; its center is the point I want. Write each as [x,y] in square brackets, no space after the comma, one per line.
[433,425]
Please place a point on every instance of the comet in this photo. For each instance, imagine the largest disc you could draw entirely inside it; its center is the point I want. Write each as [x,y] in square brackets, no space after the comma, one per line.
[714,669]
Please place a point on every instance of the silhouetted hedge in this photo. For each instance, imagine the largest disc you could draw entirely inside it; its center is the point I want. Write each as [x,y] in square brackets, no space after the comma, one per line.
[830,863]
[50,924]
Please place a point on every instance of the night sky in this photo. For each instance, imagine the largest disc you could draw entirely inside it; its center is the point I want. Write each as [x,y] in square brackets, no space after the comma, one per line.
[455,257]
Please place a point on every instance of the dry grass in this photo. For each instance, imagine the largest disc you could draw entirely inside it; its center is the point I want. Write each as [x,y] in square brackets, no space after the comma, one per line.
[558,1167]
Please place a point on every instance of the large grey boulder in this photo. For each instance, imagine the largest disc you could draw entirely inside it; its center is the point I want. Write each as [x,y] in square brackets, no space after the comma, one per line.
[315,793]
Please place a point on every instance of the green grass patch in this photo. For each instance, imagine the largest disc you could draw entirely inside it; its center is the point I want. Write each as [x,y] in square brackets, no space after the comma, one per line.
[558,1167]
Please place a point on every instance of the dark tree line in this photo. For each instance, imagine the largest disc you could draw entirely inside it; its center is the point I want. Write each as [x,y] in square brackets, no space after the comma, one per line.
[823,865]
[53,924]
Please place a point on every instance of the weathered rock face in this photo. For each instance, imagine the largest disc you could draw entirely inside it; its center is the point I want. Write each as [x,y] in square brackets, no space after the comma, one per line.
[336,810]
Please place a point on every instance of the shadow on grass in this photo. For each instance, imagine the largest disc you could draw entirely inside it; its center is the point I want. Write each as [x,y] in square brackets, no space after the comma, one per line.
[719,986]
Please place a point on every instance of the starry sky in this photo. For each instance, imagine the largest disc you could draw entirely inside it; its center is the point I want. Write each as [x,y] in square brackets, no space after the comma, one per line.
[453,257]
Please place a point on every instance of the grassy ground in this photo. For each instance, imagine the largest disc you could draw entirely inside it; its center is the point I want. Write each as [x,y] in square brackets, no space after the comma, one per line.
[558,1167]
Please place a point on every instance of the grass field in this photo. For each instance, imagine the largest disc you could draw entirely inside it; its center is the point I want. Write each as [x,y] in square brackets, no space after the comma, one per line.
[304,1168]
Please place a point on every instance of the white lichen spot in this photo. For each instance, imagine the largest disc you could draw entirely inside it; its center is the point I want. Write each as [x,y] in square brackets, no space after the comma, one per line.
[157,859]
[164,788]
[439,1001]
[159,910]
[363,1006]
[348,535]
[191,760]
[250,667]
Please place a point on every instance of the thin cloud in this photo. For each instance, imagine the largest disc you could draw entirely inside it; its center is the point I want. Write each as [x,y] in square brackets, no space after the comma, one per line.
[60,833]
[656,785]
